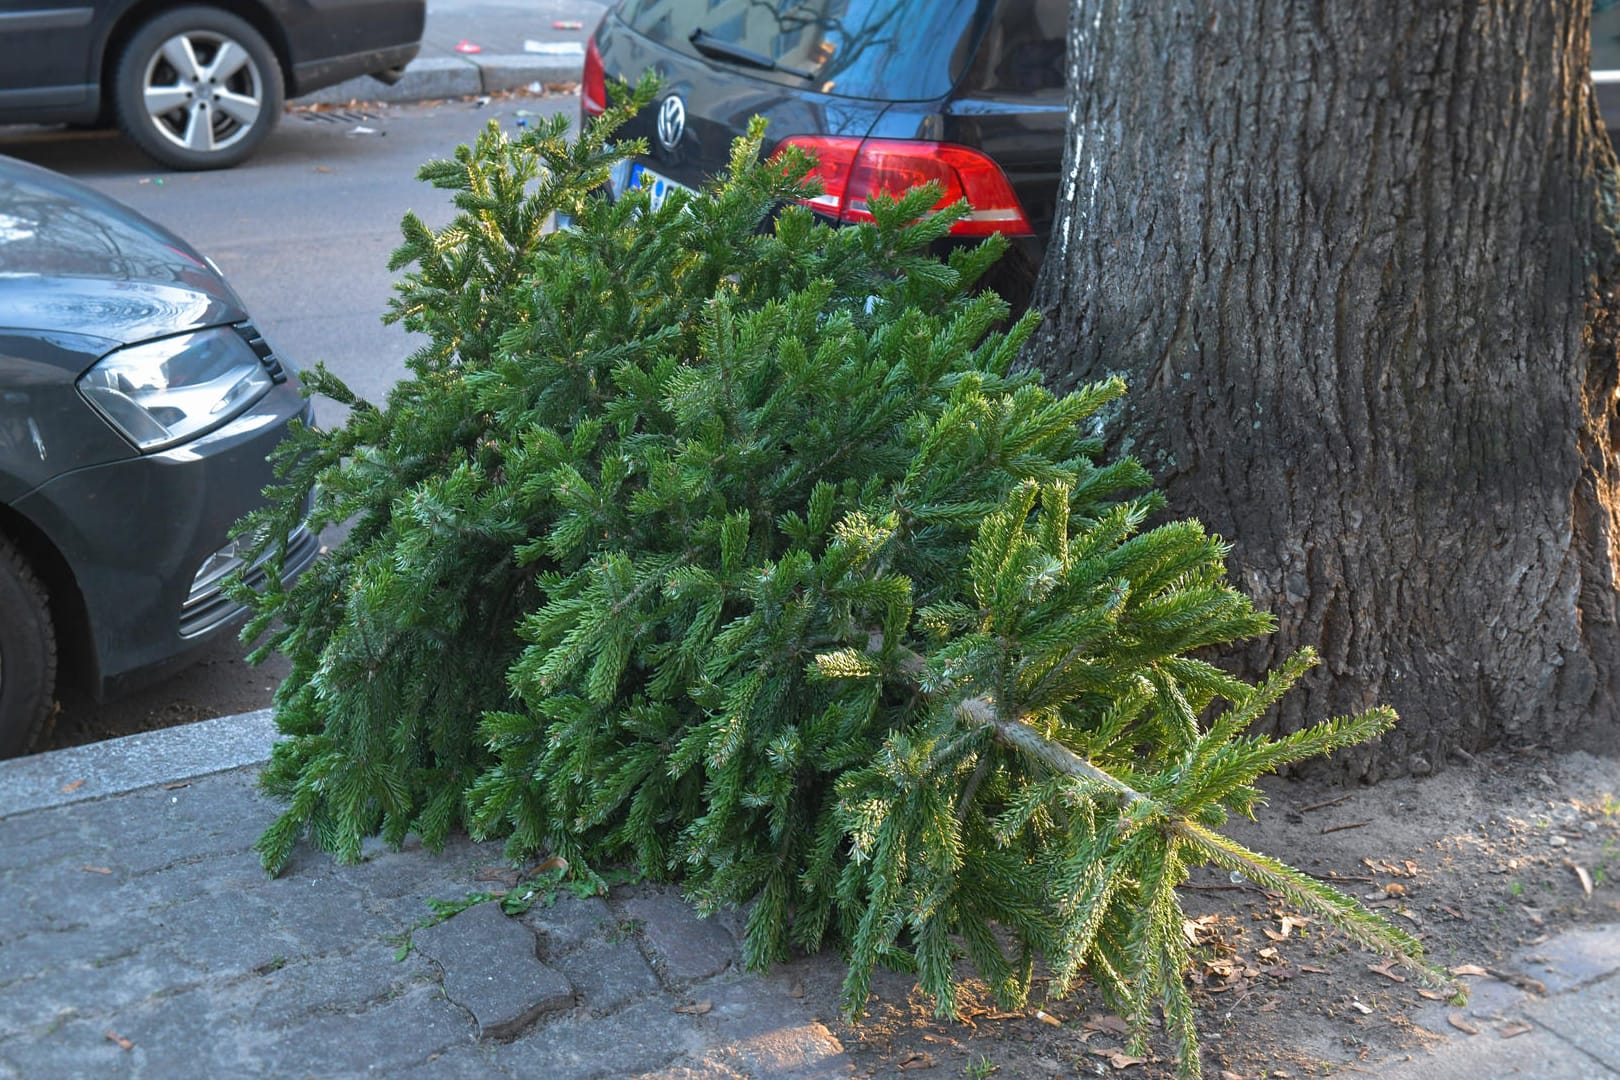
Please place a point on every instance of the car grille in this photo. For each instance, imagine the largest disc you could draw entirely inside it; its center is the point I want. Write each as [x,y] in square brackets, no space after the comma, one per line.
[261,348]
[208,607]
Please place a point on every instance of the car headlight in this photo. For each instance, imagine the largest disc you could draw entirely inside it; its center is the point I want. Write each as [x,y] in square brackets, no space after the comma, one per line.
[160,393]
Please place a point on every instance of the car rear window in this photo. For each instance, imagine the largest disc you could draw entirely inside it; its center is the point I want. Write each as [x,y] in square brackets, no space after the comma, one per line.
[890,50]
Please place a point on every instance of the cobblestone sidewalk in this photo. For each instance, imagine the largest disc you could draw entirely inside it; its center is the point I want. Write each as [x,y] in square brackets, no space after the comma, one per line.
[138,937]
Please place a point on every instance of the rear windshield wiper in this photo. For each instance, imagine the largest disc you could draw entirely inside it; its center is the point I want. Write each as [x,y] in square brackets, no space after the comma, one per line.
[720,49]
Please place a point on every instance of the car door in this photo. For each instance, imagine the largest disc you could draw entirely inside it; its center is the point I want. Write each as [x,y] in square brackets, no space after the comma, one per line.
[45,48]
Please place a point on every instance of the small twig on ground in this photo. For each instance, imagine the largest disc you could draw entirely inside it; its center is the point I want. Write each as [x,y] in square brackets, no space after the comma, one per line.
[1346,825]
[1340,877]
[1325,803]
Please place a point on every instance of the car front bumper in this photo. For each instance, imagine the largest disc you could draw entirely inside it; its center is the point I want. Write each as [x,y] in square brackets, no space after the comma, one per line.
[147,605]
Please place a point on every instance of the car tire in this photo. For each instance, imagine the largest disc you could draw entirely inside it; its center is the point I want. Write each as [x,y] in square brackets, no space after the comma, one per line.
[197,88]
[27,655]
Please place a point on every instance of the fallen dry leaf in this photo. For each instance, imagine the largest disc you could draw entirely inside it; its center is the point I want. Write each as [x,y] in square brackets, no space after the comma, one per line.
[1515,1027]
[123,1043]
[1313,970]
[1111,1025]
[1364,1010]
[918,1060]
[697,1008]
[1456,1021]
[797,989]
[96,869]
[1047,1018]
[1435,995]
[68,789]
[556,862]
[1585,878]
[503,874]
[1228,1074]
[1468,969]
[1384,970]
[177,785]
[1201,930]
[1119,1059]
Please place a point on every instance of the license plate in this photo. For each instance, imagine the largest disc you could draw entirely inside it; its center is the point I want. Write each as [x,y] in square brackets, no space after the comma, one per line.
[658,187]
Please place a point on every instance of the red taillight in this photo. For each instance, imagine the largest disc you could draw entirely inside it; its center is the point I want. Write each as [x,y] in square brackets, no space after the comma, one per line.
[853,170]
[593,85]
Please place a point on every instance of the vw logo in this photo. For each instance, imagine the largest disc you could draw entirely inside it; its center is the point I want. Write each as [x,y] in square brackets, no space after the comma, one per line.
[671,121]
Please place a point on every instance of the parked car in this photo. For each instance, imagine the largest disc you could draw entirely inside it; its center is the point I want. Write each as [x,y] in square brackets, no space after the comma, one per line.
[138,403]
[197,86]
[887,94]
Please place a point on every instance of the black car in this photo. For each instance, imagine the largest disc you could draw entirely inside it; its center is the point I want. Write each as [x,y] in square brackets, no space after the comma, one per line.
[198,86]
[138,403]
[886,93]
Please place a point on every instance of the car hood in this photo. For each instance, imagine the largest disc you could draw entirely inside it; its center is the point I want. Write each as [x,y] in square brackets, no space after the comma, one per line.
[74,261]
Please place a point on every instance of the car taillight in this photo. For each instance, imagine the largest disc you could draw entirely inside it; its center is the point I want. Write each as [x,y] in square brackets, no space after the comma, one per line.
[593,84]
[853,170]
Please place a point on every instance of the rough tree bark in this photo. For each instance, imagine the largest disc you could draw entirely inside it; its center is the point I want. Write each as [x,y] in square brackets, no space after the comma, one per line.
[1357,261]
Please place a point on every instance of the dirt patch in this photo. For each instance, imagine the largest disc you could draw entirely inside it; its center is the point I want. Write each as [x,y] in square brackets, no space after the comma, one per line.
[1480,862]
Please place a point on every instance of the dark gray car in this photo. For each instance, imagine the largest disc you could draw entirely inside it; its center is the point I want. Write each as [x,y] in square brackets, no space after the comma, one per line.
[198,85]
[138,403]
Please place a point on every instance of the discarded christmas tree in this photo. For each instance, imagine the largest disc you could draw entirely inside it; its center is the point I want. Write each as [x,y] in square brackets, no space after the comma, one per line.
[711,539]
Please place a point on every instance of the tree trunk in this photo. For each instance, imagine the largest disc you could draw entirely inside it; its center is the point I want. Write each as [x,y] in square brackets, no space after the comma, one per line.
[1357,261]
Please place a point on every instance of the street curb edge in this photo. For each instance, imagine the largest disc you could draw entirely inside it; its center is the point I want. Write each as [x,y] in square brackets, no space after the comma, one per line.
[116,766]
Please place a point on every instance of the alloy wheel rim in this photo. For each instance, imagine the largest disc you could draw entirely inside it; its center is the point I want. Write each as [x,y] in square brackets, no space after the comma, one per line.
[202,91]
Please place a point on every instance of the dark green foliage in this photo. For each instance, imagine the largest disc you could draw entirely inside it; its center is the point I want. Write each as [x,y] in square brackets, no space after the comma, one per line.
[715,541]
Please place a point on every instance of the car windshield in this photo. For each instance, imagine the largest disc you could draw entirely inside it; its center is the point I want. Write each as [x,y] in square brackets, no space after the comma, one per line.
[892,50]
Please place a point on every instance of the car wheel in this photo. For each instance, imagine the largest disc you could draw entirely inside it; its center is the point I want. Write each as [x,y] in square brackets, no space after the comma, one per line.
[197,88]
[27,655]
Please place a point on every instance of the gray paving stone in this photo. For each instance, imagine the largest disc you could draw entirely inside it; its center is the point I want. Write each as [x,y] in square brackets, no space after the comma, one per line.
[378,1041]
[317,921]
[1575,957]
[1590,1020]
[569,923]
[491,969]
[225,937]
[231,874]
[646,1036]
[74,1049]
[473,1062]
[760,1031]
[1539,1055]
[204,1031]
[608,975]
[33,1006]
[344,983]
[706,1070]
[689,947]
[40,953]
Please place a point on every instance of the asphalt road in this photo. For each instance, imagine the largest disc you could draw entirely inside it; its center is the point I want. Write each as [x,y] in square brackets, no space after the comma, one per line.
[303,231]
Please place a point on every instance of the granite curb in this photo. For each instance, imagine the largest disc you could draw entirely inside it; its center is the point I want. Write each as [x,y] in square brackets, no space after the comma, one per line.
[433,78]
